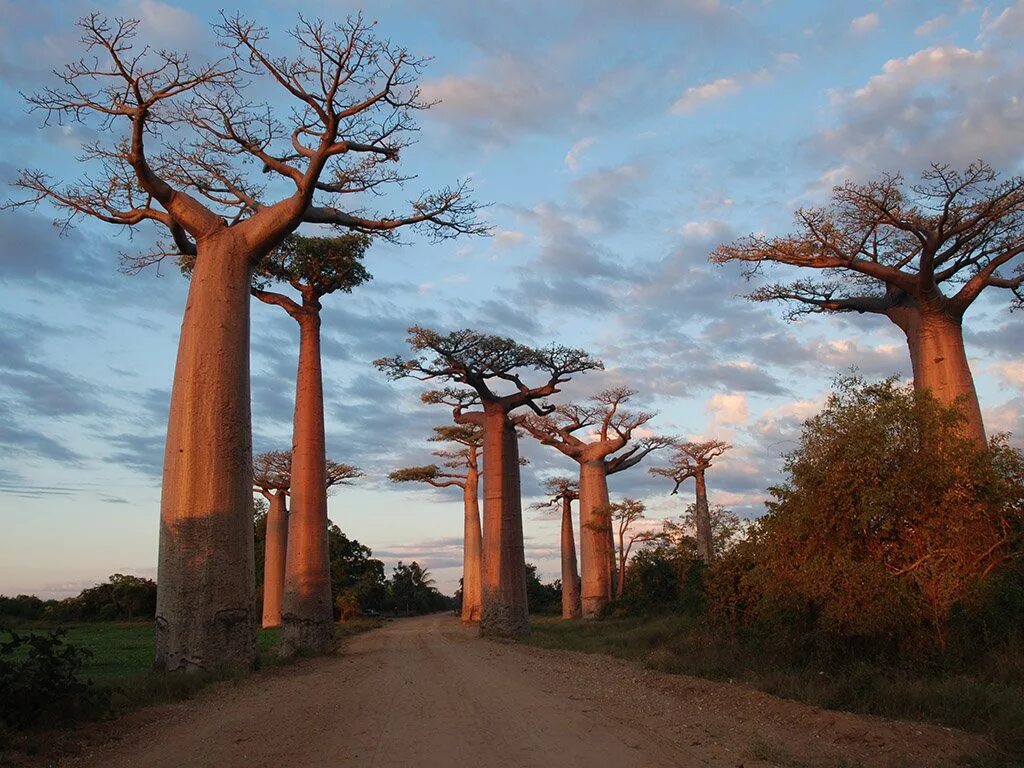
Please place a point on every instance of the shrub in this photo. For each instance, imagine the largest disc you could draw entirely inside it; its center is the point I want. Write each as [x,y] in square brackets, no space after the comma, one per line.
[41,682]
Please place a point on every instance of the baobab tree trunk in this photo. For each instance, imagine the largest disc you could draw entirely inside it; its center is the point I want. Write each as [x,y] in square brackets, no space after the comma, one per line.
[307,619]
[471,550]
[274,559]
[595,541]
[504,611]
[205,613]
[702,518]
[939,362]
[570,574]
[614,574]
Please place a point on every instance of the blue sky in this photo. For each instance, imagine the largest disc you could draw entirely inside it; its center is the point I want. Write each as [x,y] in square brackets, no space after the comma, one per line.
[617,143]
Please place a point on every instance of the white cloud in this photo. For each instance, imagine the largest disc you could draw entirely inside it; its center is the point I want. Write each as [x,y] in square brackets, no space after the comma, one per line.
[1009,23]
[941,104]
[572,157]
[864,24]
[932,26]
[728,410]
[1011,373]
[699,95]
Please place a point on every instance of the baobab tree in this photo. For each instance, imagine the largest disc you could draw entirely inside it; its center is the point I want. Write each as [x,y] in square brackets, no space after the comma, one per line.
[492,368]
[314,267]
[195,150]
[612,429]
[561,493]
[462,470]
[919,255]
[271,476]
[693,459]
[624,515]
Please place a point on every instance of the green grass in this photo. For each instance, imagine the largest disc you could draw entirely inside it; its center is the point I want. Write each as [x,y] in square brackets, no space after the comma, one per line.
[122,659]
[987,699]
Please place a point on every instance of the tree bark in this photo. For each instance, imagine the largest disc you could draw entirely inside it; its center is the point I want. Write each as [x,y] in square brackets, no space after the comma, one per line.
[595,539]
[274,559]
[471,551]
[939,362]
[702,518]
[307,620]
[570,574]
[205,614]
[504,611]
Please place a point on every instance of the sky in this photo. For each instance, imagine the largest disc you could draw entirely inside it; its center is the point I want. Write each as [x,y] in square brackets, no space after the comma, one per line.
[615,143]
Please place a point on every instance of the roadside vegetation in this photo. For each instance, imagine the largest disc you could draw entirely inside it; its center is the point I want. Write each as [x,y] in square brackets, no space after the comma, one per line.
[886,576]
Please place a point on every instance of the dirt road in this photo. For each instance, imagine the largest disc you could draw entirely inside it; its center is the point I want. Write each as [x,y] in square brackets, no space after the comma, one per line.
[427,692]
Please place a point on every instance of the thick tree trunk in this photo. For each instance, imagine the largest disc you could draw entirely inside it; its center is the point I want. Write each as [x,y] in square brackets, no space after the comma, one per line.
[274,559]
[611,558]
[205,612]
[471,551]
[939,361]
[307,620]
[504,611]
[570,574]
[595,541]
[702,519]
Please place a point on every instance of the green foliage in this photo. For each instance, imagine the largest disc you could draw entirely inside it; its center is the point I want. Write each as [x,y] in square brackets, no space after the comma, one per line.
[325,264]
[41,682]
[542,598]
[888,523]
[411,590]
[357,579]
[121,598]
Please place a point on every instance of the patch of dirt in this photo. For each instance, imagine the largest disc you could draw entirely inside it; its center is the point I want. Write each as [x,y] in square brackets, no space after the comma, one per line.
[428,692]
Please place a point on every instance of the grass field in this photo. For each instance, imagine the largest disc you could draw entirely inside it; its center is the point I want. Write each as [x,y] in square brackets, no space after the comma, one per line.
[122,659]
[988,699]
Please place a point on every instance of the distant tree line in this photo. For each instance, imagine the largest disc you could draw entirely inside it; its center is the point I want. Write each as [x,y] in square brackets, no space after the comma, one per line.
[121,598]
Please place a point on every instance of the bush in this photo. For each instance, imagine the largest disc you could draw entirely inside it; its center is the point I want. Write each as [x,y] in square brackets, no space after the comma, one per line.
[41,683]
[886,530]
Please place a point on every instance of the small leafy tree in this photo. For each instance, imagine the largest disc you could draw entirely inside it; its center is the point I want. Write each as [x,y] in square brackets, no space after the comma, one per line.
[890,515]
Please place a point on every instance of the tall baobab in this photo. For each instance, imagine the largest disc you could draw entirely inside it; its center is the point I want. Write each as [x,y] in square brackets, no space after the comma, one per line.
[613,427]
[314,267]
[919,255]
[562,492]
[624,515]
[194,149]
[272,477]
[466,459]
[692,459]
[492,368]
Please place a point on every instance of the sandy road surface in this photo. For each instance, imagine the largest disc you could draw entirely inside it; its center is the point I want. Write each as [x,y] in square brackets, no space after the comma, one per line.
[427,692]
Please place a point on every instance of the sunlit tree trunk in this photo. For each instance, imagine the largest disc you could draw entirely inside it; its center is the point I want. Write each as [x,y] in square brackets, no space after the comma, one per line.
[205,613]
[274,559]
[504,610]
[702,518]
[570,574]
[471,599]
[939,362]
[595,541]
[307,620]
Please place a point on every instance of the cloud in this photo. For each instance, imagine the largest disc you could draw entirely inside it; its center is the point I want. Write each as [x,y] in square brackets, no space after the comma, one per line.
[572,157]
[941,104]
[728,410]
[698,95]
[932,26]
[864,24]
[504,97]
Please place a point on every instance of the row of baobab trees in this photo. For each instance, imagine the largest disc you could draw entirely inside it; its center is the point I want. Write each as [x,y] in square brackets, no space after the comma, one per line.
[597,436]
[610,428]
[230,155]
